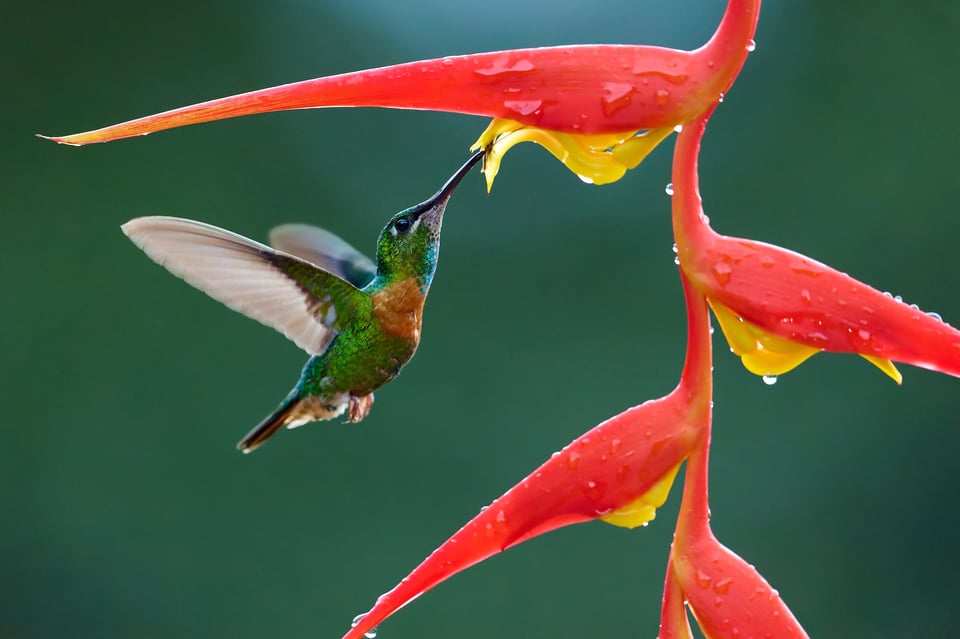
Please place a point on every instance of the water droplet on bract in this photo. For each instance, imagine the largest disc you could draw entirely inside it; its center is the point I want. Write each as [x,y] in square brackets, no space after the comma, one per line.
[723,585]
[675,249]
[720,99]
[369,634]
[669,191]
[703,579]
[661,97]
[935,315]
[678,128]
[751,46]
[888,293]
[504,65]
[711,330]
[585,179]
[863,334]
[722,272]
[616,96]
[523,107]
[769,380]
[676,260]
[897,298]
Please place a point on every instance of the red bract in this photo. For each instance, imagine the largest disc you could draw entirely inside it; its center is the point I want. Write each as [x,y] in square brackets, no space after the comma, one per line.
[576,89]
[778,308]
[619,471]
[599,109]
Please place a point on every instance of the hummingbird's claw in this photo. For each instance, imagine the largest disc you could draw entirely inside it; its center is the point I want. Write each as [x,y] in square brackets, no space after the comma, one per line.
[359,407]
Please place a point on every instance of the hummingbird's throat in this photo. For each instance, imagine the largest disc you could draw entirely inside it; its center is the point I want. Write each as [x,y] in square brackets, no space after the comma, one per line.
[399,308]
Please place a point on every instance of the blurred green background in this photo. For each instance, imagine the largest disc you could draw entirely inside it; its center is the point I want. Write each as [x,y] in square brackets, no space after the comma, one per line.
[126,510]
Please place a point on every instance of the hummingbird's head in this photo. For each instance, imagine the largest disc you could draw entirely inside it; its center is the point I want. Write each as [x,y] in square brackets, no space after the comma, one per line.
[410,243]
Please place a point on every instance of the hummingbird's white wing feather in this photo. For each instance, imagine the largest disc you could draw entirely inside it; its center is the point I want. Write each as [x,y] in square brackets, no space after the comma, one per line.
[326,250]
[282,291]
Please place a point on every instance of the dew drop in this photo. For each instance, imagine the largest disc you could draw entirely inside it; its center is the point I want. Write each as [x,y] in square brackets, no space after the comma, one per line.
[503,65]
[676,260]
[711,330]
[805,297]
[678,128]
[616,96]
[369,634]
[769,380]
[751,46]
[863,334]
[523,107]
[585,179]
[592,490]
[935,315]
[669,191]
[722,271]
[661,97]
[720,99]
[573,459]
[723,585]
[703,579]
[675,249]
[897,298]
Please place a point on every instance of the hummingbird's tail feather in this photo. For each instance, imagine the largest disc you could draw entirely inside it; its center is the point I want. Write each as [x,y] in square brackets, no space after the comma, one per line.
[293,411]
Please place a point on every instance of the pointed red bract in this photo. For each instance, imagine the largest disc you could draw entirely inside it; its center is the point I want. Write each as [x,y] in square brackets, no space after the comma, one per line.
[793,296]
[607,468]
[575,89]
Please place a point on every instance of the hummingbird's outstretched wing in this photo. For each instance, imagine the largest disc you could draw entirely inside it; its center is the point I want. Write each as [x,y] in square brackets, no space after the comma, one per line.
[326,250]
[304,302]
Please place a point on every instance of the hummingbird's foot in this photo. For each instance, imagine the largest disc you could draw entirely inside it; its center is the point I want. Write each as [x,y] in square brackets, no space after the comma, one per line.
[359,407]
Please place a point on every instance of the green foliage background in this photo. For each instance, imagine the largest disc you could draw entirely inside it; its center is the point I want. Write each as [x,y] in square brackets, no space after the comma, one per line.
[127,512]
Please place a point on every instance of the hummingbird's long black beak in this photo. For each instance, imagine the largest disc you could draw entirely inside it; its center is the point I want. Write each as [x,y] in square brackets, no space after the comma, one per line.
[438,201]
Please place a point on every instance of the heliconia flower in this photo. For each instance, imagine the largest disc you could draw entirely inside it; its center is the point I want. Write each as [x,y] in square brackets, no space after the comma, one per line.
[620,472]
[727,596]
[777,308]
[598,108]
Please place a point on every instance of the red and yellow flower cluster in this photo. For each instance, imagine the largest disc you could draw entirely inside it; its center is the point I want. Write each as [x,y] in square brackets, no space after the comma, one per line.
[600,110]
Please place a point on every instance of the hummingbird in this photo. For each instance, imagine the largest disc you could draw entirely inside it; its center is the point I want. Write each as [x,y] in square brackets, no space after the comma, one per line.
[360,321]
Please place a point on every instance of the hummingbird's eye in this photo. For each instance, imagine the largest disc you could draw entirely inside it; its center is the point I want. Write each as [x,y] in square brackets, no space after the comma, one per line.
[402,225]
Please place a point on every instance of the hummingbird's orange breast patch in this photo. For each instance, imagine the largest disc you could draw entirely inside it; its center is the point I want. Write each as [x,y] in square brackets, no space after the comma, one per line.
[399,307]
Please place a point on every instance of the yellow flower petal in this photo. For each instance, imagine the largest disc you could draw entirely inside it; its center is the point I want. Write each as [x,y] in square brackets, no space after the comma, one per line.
[761,352]
[886,366]
[597,159]
[644,509]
